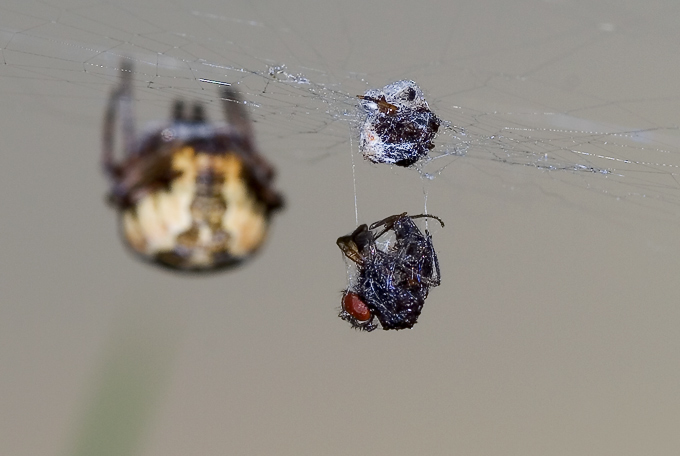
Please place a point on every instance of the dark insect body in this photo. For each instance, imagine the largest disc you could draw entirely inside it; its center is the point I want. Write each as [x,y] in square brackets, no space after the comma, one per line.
[399,128]
[393,281]
[192,195]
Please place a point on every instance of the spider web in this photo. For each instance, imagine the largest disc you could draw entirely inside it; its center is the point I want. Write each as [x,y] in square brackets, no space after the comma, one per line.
[304,101]
[557,108]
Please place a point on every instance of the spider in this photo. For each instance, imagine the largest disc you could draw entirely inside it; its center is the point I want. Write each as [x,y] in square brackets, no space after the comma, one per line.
[192,195]
[399,127]
[393,281]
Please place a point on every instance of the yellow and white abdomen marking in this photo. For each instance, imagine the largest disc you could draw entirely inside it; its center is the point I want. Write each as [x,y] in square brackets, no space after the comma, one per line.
[208,217]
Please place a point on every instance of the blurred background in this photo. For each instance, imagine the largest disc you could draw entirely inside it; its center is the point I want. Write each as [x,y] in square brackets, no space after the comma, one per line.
[554,330]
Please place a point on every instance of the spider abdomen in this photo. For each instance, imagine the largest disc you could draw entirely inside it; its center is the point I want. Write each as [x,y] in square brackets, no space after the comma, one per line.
[206,217]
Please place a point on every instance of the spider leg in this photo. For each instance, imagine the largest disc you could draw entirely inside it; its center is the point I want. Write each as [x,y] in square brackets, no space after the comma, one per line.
[198,113]
[237,116]
[177,113]
[108,162]
[119,100]
[127,114]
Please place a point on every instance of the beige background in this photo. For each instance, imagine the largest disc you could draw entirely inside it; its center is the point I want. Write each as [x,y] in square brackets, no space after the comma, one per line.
[555,329]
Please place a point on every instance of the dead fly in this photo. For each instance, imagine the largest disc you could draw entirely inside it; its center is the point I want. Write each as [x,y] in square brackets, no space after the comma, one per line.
[192,195]
[399,127]
[394,275]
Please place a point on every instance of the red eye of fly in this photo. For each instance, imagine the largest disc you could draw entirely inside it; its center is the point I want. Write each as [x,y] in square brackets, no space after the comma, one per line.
[353,305]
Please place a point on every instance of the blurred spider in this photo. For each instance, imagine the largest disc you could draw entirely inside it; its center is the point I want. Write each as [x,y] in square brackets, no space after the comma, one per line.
[393,281]
[192,195]
[399,127]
